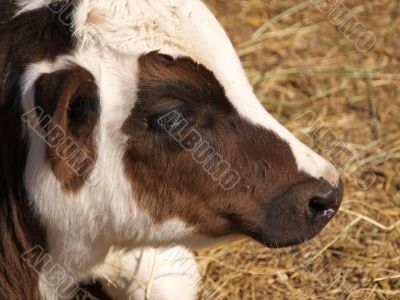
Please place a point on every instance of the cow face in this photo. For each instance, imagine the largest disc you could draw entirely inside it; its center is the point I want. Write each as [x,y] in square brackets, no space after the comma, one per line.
[149,133]
[191,155]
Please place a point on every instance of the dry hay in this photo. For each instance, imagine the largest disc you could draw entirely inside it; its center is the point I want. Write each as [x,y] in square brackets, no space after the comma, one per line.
[299,62]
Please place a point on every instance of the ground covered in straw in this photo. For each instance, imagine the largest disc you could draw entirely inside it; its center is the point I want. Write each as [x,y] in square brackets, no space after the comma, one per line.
[344,101]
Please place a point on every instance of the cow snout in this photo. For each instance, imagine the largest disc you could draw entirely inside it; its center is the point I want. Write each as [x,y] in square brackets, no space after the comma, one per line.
[301,212]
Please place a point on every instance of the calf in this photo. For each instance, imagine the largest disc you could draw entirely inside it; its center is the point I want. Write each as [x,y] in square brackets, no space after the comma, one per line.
[128,124]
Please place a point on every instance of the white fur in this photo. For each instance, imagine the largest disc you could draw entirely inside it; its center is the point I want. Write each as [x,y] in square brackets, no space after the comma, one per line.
[111,35]
[107,213]
[150,273]
[28,5]
[179,27]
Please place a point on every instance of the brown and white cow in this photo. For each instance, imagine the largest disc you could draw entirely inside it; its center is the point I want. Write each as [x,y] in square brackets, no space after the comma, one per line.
[90,162]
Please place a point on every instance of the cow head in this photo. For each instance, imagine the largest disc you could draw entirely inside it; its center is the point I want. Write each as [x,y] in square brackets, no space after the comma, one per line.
[147,132]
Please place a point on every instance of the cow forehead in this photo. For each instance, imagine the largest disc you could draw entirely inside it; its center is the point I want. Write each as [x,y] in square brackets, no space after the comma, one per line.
[112,30]
[173,27]
[188,28]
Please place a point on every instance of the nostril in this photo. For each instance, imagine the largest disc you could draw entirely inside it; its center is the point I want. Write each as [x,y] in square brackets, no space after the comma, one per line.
[325,206]
[317,205]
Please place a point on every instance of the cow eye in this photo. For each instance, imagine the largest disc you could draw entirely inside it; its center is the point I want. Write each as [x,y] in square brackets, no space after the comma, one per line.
[167,122]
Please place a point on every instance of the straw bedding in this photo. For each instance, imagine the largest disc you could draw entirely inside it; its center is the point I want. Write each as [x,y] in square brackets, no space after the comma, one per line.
[333,96]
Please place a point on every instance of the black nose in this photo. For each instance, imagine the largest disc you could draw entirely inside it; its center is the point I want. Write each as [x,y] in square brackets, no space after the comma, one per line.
[301,212]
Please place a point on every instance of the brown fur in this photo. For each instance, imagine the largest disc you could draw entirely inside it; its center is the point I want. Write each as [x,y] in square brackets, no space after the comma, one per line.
[92,291]
[20,230]
[30,37]
[69,97]
[168,183]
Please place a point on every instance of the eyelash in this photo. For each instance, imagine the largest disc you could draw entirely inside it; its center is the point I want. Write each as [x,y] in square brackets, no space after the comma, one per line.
[167,122]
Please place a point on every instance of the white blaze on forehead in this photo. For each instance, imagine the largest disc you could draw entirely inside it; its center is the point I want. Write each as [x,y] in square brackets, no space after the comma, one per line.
[189,28]
[212,47]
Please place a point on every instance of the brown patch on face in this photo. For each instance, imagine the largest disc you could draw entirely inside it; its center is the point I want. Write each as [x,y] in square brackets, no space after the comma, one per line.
[69,110]
[167,181]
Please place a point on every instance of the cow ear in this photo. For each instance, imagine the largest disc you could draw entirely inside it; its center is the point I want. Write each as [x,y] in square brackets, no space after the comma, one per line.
[68,106]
